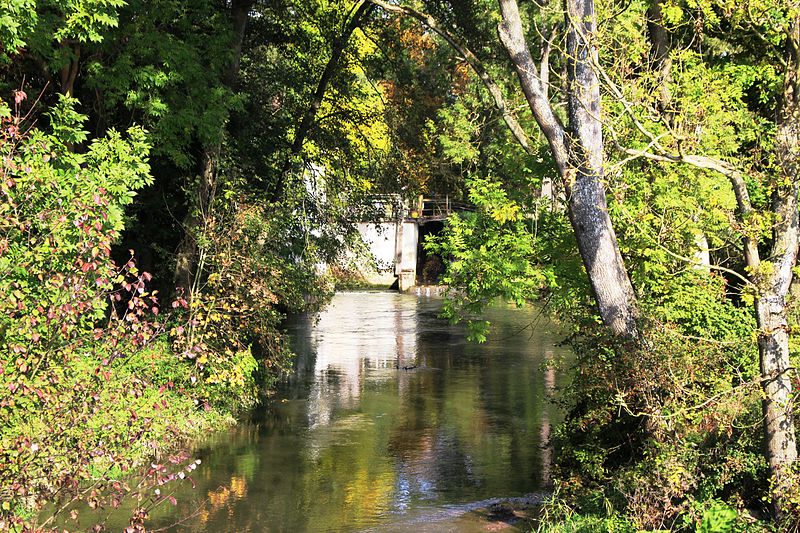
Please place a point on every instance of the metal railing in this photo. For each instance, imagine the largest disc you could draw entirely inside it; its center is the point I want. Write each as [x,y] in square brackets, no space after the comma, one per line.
[438,207]
[390,207]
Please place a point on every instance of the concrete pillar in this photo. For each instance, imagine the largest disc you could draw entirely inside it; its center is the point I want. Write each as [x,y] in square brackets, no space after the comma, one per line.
[406,261]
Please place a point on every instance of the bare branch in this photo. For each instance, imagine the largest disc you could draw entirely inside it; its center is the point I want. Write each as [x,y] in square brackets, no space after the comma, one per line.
[690,260]
[729,171]
[544,65]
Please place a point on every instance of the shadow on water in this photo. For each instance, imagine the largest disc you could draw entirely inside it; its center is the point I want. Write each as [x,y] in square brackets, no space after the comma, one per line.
[391,422]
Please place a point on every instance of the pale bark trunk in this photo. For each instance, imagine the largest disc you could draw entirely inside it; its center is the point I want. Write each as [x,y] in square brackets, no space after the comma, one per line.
[578,154]
[780,442]
[773,341]
[702,254]
[773,345]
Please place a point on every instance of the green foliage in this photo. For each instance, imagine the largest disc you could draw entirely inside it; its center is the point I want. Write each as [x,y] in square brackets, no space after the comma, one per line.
[252,270]
[60,20]
[17,19]
[719,517]
[696,302]
[90,393]
[713,516]
[78,20]
[577,523]
[61,214]
[343,153]
[654,430]
[164,66]
[495,252]
[54,30]
[455,134]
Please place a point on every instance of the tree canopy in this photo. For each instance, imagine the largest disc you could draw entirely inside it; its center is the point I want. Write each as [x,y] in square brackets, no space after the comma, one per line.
[174,174]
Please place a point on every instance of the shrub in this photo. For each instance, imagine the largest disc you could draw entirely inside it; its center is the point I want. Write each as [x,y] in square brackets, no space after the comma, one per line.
[78,411]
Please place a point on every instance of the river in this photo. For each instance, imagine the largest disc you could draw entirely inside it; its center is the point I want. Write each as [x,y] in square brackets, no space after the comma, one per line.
[391,422]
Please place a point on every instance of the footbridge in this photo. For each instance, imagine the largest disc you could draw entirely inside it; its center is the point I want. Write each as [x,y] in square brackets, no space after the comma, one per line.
[394,231]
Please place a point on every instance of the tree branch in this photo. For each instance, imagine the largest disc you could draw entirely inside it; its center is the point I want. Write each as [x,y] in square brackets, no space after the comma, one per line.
[474,63]
[513,39]
[309,118]
[734,176]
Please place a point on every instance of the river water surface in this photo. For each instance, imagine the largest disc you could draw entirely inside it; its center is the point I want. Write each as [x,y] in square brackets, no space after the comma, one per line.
[392,422]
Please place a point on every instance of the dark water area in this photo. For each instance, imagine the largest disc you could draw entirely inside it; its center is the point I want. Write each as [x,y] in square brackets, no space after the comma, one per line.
[391,422]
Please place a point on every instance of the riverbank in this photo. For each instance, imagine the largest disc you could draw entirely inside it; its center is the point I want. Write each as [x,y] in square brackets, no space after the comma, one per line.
[147,414]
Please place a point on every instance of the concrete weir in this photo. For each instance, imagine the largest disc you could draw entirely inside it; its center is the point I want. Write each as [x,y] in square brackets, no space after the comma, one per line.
[394,247]
[395,244]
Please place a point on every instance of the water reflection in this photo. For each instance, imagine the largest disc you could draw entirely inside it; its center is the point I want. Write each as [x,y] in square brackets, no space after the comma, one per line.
[392,422]
[347,344]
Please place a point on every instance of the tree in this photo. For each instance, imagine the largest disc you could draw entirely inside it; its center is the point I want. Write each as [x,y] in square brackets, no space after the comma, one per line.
[770,223]
[200,213]
[578,152]
[360,11]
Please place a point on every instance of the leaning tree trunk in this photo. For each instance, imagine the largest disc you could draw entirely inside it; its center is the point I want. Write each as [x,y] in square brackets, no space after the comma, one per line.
[587,197]
[578,154]
[361,11]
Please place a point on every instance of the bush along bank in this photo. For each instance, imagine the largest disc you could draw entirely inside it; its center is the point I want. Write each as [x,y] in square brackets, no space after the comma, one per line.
[98,375]
[666,436]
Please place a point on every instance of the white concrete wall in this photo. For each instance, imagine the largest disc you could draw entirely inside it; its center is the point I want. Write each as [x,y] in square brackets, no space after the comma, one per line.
[406,267]
[408,254]
[395,252]
[381,239]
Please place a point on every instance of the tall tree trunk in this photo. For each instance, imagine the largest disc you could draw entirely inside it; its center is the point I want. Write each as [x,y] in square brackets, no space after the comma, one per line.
[780,444]
[773,345]
[309,117]
[186,255]
[773,341]
[578,154]
[69,72]
[187,252]
[702,254]
[587,198]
